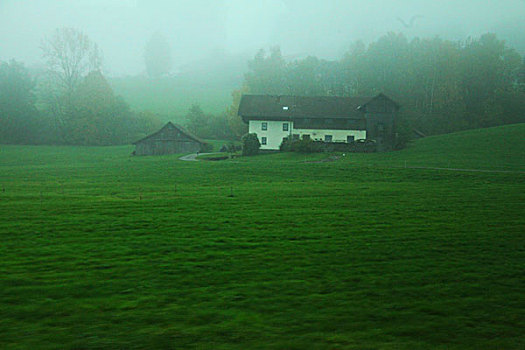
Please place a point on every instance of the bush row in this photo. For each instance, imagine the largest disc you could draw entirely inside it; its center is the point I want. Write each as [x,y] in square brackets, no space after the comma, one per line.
[310,146]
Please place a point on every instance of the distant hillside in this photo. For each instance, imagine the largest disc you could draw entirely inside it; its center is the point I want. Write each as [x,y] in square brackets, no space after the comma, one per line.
[498,148]
[209,83]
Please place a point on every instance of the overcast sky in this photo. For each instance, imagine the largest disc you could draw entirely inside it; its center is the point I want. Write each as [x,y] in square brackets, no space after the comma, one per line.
[199,28]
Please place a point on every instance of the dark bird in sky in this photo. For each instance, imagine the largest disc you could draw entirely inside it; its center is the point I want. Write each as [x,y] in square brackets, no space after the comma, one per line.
[411,23]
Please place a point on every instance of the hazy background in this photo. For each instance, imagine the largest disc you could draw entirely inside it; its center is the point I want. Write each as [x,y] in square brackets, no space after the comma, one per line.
[198,30]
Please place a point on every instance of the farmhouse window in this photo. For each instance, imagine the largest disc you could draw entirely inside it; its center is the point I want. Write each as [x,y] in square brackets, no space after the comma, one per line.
[350,139]
[327,138]
[285,126]
[263,140]
[264,126]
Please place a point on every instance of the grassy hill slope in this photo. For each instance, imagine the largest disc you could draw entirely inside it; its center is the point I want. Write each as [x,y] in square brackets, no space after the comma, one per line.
[172,97]
[209,83]
[498,148]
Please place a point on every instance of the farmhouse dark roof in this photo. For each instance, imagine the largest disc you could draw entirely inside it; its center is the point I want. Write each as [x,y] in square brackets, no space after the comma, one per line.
[171,125]
[291,107]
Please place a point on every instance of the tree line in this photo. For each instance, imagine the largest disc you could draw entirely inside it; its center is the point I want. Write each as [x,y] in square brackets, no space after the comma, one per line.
[71,103]
[442,86]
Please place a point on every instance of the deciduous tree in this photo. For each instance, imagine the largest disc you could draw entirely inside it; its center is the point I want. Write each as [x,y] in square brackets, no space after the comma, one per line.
[17,104]
[237,126]
[267,73]
[70,55]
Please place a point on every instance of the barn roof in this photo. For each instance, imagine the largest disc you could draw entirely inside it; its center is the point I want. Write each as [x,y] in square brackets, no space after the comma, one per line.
[382,97]
[171,125]
[290,107]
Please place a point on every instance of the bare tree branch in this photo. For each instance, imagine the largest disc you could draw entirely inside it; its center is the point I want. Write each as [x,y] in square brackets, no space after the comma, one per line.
[70,55]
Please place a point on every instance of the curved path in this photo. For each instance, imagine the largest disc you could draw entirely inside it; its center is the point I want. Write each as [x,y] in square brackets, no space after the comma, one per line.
[192,157]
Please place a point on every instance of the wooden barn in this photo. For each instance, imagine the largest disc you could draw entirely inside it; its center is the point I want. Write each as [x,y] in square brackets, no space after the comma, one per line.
[171,139]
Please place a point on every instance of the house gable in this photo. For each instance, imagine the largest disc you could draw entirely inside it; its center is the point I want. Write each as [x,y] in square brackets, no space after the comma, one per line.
[381,114]
[380,104]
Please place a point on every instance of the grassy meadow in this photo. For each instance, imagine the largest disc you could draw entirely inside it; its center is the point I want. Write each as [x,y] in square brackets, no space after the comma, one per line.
[102,250]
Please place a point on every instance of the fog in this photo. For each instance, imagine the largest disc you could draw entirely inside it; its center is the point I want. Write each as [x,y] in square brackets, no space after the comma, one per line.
[199,29]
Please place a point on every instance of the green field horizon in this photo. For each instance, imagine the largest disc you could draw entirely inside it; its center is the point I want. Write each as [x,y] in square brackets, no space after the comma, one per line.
[103,250]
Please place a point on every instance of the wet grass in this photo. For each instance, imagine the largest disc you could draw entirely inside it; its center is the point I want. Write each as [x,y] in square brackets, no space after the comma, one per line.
[103,250]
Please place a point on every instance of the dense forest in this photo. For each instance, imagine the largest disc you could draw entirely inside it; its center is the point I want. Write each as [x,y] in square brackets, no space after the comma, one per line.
[442,86]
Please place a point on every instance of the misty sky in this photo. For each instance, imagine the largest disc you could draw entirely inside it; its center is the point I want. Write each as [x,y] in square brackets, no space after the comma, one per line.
[197,29]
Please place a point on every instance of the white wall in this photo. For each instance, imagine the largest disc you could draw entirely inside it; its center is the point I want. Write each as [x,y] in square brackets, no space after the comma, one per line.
[337,135]
[274,133]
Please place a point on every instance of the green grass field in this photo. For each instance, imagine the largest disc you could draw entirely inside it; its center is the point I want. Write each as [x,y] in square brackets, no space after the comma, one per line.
[101,250]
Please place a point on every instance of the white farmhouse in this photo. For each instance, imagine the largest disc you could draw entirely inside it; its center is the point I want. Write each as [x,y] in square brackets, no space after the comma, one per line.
[327,119]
